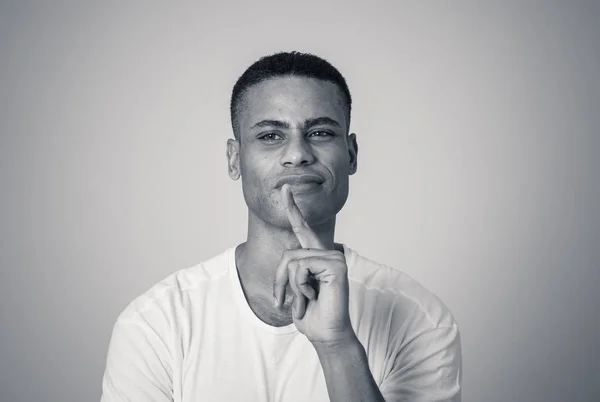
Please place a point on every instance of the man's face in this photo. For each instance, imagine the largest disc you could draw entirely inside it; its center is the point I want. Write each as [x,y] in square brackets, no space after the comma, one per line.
[293,130]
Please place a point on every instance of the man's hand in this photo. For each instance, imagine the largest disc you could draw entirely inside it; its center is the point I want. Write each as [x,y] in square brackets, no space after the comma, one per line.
[319,279]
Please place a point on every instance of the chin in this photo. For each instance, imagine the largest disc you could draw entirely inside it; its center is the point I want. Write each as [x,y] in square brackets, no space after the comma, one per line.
[317,213]
[316,209]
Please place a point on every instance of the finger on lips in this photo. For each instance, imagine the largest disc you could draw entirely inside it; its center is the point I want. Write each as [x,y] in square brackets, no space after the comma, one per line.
[306,236]
[298,267]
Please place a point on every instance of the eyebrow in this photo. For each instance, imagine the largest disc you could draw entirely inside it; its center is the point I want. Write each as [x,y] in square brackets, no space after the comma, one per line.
[320,121]
[307,123]
[271,123]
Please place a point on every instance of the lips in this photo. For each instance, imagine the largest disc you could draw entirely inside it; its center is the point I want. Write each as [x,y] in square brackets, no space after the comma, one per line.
[299,179]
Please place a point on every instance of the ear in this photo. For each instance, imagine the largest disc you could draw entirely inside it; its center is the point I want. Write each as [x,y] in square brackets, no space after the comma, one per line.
[353,151]
[233,158]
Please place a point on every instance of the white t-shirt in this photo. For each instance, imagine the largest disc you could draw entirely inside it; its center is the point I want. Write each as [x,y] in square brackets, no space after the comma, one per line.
[193,338]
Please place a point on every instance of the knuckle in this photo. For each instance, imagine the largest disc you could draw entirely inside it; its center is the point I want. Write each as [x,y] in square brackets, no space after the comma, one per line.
[293,264]
[339,256]
[338,253]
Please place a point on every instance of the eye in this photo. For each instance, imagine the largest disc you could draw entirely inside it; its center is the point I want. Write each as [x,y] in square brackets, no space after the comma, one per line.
[321,134]
[269,137]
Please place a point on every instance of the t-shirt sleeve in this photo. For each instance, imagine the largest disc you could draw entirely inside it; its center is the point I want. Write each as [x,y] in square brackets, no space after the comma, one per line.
[427,368]
[138,366]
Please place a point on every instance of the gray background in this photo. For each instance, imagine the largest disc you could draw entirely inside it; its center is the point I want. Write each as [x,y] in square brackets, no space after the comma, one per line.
[478,171]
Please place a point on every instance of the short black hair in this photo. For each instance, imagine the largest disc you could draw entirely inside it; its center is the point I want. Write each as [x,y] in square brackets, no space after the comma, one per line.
[286,64]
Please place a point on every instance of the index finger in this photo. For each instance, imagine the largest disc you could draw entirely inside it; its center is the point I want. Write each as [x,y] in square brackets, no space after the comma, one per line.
[306,236]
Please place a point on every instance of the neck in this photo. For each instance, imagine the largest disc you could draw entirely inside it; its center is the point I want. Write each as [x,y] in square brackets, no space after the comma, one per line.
[257,259]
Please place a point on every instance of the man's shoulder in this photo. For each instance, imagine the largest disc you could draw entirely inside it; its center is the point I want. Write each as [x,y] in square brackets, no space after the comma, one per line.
[172,291]
[393,286]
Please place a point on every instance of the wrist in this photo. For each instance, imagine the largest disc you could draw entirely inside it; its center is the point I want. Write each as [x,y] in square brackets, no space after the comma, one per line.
[344,342]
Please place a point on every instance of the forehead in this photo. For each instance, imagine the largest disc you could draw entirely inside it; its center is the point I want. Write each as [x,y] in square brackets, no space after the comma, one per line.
[292,99]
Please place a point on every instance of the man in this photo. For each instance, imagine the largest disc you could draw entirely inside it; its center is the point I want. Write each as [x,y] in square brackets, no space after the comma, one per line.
[289,315]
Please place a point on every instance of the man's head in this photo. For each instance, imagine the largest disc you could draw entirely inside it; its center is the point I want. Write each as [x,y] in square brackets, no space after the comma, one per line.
[290,114]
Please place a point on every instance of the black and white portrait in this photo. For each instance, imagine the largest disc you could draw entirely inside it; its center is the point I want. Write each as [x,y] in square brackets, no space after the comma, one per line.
[310,201]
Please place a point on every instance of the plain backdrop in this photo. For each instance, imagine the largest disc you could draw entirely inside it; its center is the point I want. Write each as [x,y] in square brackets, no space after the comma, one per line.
[478,171]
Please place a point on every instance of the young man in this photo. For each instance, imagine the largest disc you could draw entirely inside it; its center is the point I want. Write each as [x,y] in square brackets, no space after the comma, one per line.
[289,315]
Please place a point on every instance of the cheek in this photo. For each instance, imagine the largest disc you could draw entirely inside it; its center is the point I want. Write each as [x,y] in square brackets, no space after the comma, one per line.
[338,163]
[256,178]
[251,167]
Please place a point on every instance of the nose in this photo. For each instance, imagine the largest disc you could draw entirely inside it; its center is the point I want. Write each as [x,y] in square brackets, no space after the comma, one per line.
[297,153]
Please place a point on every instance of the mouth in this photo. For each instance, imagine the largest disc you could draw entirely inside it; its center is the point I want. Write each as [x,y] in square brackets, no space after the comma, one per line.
[302,180]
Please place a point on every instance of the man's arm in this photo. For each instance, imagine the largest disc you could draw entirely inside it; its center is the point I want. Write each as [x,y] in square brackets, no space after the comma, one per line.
[427,369]
[347,373]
